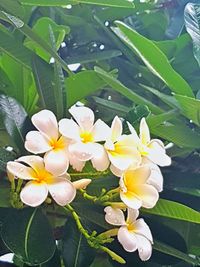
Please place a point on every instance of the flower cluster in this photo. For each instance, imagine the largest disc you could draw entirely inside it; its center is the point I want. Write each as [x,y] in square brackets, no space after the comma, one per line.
[132,158]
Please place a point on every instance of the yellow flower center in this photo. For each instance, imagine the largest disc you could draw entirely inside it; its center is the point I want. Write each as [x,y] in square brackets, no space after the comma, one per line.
[86,137]
[43,176]
[57,144]
[143,150]
[130,226]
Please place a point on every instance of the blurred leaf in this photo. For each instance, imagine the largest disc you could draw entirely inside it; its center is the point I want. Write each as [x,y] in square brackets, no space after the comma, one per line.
[174,210]
[190,107]
[13,7]
[31,234]
[156,120]
[5,156]
[101,261]
[136,114]
[15,119]
[111,105]
[75,250]
[5,194]
[116,3]
[192,23]
[122,89]
[155,60]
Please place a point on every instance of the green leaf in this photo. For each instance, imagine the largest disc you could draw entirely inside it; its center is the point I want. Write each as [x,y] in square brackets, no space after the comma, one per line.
[15,119]
[75,249]
[156,120]
[192,24]
[122,89]
[190,108]
[136,114]
[13,7]
[174,210]
[154,59]
[81,85]
[116,3]
[15,49]
[28,234]
[5,194]
[5,156]
[159,246]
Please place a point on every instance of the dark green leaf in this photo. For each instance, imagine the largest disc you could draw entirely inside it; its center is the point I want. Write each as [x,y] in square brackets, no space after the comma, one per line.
[136,114]
[13,7]
[28,234]
[75,249]
[5,156]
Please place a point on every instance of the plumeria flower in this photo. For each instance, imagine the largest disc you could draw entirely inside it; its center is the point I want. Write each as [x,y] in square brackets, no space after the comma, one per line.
[154,149]
[133,234]
[135,191]
[122,150]
[84,135]
[41,182]
[49,141]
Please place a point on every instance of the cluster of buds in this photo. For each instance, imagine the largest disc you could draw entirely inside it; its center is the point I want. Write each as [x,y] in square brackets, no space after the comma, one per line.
[132,158]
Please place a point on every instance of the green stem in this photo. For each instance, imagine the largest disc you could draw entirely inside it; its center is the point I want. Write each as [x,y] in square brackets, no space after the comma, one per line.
[89,174]
[19,185]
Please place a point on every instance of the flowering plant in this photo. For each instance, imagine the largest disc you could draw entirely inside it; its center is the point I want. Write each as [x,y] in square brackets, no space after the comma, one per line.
[98,166]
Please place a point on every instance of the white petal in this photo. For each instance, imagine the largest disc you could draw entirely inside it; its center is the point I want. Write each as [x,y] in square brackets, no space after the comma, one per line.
[56,161]
[156,178]
[101,131]
[141,228]
[84,117]
[34,193]
[133,133]
[136,176]
[131,200]
[144,132]
[148,194]
[35,162]
[127,239]
[82,151]
[70,129]
[76,164]
[114,216]
[144,247]
[21,171]
[36,143]
[62,191]
[116,129]
[157,153]
[82,183]
[117,172]
[100,160]
[45,121]
[132,215]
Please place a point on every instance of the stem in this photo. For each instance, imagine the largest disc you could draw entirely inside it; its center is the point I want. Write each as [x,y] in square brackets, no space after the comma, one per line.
[89,174]
[19,185]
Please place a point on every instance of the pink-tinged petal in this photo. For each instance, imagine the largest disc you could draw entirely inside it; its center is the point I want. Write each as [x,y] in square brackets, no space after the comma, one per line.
[138,176]
[114,216]
[144,132]
[144,247]
[82,151]
[157,153]
[20,171]
[131,200]
[134,133]
[56,161]
[101,131]
[116,129]
[100,160]
[45,121]
[127,239]
[36,143]
[35,162]
[84,117]
[148,194]
[76,164]
[117,172]
[132,215]
[82,183]
[70,129]
[141,228]
[34,193]
[62,191]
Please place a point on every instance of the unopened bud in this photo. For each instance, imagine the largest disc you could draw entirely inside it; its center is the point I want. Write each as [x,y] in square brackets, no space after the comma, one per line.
[82,183]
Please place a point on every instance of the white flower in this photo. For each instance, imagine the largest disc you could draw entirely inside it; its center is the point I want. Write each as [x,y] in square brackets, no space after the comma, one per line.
[85,134]
[41,182]
[122,149]
[135,191]
[48,140]
[153,149]
[133,234]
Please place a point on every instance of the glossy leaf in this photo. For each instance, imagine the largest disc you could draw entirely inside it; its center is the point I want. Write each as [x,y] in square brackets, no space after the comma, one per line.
[31,234]
[174,210]
[154,59]
[75,249]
